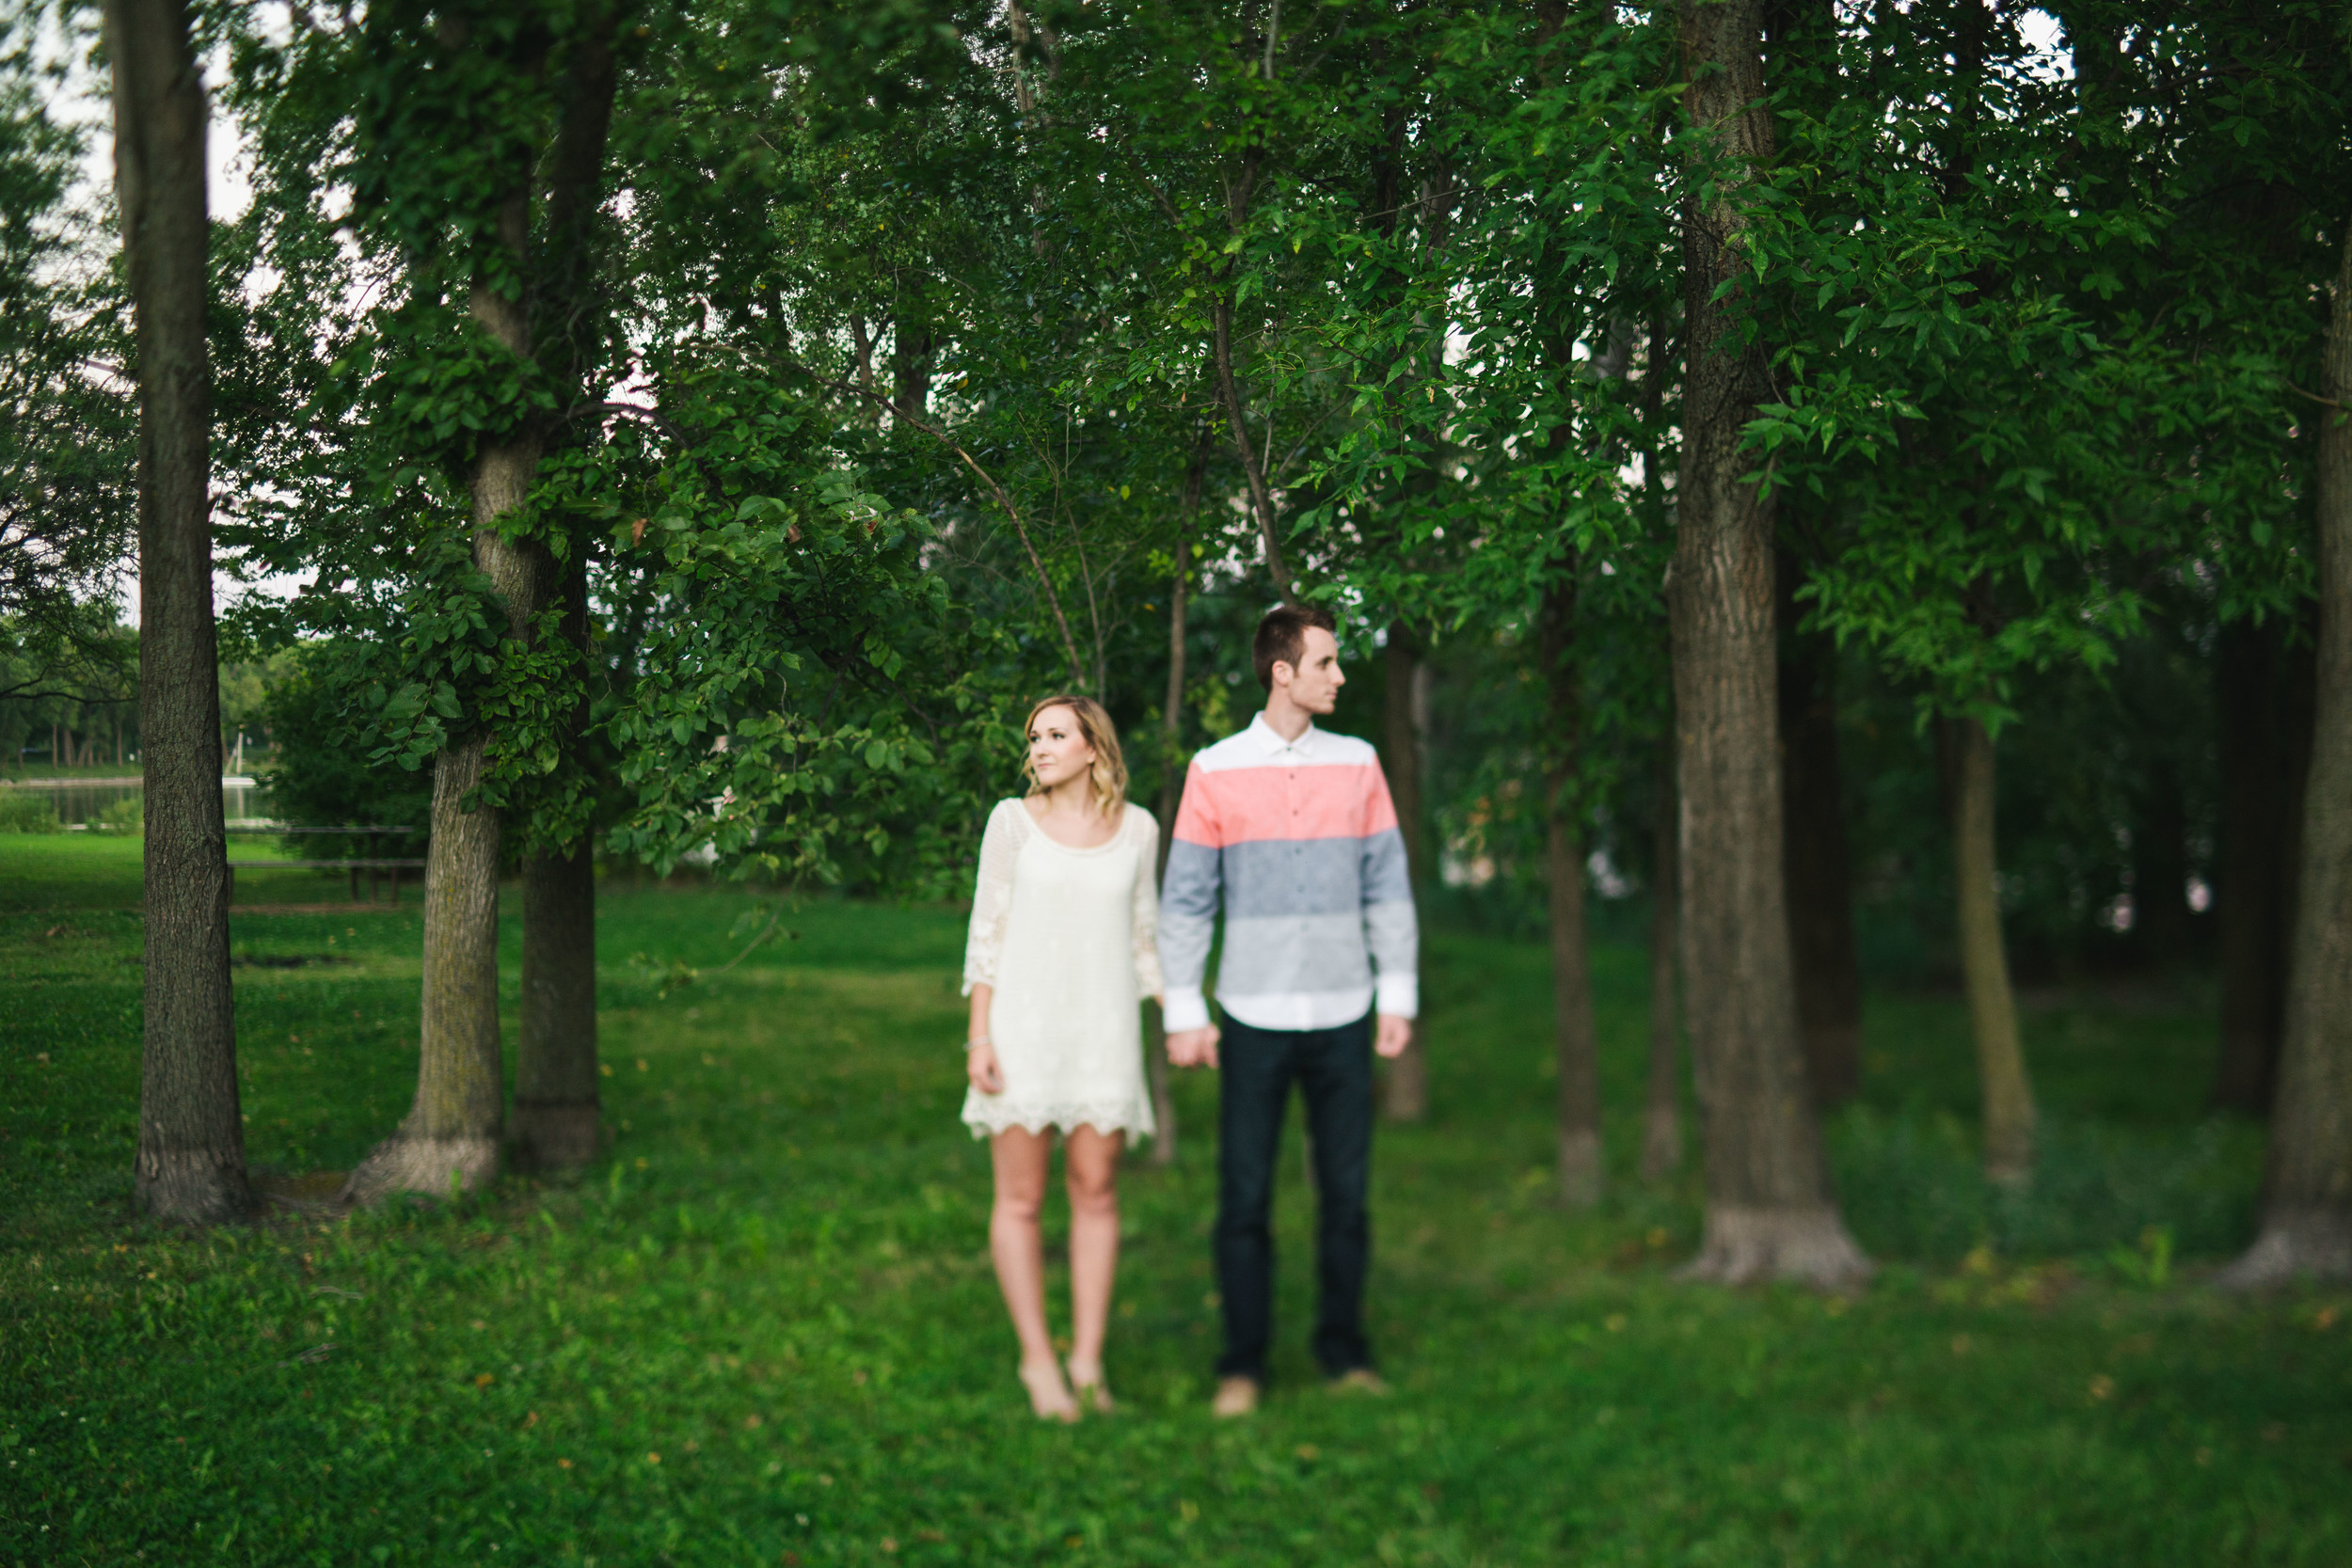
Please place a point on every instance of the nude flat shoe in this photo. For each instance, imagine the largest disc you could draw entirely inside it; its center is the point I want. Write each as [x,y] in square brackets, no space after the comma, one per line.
[1049,1397]
[1092,1393]
[1235,1396]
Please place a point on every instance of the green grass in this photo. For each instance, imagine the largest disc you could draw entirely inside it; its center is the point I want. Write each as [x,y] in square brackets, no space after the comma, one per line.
[777,1284]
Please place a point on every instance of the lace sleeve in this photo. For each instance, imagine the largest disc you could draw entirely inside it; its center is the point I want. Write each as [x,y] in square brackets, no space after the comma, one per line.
[1147,907]
[991,895]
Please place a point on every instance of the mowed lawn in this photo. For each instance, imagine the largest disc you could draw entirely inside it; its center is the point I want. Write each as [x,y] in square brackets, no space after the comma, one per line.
[764,1331]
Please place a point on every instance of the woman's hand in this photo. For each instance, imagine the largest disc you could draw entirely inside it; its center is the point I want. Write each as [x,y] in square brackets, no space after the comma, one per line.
[980,1065]
[979,1058]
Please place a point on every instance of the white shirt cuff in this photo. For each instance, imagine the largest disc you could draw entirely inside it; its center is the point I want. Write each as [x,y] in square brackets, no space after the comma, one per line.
[1185,1009]
[1398,995]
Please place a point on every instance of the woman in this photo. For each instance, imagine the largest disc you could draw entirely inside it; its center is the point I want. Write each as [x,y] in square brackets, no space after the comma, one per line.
[1063,944]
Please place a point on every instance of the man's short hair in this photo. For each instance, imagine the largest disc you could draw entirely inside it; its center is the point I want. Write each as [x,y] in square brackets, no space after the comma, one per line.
[1282,638]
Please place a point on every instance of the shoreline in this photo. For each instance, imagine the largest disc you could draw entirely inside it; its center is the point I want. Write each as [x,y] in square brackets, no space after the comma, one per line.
[228,780]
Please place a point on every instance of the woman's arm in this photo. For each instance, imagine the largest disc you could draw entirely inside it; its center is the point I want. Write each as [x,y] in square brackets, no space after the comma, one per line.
[980,1054]
[991,912]
[1145,915]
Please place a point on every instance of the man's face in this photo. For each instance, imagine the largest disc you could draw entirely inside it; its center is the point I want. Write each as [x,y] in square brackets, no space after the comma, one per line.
[1314,685]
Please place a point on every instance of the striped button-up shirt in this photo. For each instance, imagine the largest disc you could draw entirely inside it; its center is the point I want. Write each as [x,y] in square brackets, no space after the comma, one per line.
[1299,840]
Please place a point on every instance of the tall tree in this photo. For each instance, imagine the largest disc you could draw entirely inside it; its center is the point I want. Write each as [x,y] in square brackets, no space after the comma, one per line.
[69,422]
[2007,1090]
[191,1150]
[1815,861]
[1172,777]
[1662,1094]
[2262,691]
[2307,1197]
[556,1103]
[476,78]
[1770,1210]
[1405,1096]
[1575,1046]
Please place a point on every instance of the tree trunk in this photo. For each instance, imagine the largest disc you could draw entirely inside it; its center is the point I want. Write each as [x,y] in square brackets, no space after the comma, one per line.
[2249,896]
[2307,1198]
[2264,782]
[1814,859]
[556,1102]
[190,1161]
[1583,1174]
[1406,1095]
[910,357]
[2008,1092]
[1662,1112]
[450,1136]
[1770,1212]
[1252,467]
[1171,796]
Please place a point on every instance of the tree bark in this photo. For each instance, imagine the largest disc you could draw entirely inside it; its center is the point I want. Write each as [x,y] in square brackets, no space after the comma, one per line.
[1171,798]
[556,1103]
[2307,1197]
[912,351]
[1814,859]
[1404,1096]
[1583,1174]
[190,1160]
[2248,902]
[450,1136]
[2006,1090]
[1252,464]
[1770,1212]
[2264,699]
[1661,1110]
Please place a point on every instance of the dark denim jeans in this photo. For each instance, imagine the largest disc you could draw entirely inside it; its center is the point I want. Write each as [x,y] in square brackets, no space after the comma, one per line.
[1333,1070]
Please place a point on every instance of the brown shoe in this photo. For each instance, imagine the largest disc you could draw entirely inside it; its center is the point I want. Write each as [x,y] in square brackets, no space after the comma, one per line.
[1235,1396]
[1360,1380]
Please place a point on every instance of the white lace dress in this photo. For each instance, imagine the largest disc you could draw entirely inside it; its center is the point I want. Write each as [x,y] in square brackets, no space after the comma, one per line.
[1070,940]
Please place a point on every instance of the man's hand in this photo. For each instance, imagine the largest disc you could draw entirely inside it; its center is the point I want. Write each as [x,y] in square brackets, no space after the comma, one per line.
[1193,1047]
[1391,1035]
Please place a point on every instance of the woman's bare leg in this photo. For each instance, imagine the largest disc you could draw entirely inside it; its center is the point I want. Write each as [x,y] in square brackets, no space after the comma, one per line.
[1021,1158]
[1090,1165]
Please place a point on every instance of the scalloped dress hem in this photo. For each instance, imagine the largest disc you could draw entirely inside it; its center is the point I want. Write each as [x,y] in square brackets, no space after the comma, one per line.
[987,1120]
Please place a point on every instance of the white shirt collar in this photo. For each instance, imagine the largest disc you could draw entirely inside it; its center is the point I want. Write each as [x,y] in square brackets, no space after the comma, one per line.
[1270,739]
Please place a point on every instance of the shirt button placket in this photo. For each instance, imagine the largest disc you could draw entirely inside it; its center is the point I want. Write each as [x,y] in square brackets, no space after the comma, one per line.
[1298,848]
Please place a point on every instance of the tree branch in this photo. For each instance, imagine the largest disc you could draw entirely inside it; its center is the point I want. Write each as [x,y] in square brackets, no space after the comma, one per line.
[1253,470]
[1053,600]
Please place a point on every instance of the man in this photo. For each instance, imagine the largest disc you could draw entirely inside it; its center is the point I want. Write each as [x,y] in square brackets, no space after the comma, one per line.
[1294,827]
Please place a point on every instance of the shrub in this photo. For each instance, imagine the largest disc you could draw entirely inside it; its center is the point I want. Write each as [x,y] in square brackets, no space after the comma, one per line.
[1912,1187]
[28,811]
[126,816]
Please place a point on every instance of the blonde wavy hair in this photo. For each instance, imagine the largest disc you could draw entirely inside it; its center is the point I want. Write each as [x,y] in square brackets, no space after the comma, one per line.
[1109,772]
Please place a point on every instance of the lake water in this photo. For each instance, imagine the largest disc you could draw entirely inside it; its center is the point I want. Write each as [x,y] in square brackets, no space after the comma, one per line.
[85,799]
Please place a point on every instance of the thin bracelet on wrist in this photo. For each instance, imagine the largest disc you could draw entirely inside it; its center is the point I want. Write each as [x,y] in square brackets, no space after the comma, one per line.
[974,1045]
